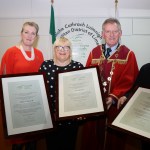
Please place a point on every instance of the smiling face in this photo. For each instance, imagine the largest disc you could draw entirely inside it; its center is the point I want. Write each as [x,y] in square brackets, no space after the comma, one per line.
[28,35]
[62,52]
[111,33]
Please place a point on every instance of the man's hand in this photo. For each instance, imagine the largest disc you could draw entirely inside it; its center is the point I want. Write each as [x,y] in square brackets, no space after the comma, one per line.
[109,101]
[121,101]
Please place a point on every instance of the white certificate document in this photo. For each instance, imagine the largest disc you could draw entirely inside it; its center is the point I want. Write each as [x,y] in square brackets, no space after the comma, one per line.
[79,93]
[135,116]
[26,104]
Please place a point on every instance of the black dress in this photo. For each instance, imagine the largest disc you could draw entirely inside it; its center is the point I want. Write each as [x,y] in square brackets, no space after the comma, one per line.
[64,136]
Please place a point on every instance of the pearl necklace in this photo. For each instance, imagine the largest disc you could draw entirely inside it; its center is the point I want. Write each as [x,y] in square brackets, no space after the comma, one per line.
[26,56]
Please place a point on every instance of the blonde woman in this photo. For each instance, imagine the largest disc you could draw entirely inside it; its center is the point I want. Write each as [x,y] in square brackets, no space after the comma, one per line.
[23,58]
[64,137]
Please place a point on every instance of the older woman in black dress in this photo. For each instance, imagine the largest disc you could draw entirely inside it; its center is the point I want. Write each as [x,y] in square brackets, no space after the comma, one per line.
[64,137]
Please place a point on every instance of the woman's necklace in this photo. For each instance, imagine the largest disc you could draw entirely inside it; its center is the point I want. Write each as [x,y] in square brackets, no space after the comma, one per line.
[26,56]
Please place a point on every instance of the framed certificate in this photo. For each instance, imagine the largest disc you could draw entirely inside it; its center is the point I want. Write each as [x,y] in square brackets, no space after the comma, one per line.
[25,106]
[79,93]
[135,116]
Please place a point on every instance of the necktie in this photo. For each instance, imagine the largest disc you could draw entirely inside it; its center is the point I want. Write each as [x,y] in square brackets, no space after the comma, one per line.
[108,52]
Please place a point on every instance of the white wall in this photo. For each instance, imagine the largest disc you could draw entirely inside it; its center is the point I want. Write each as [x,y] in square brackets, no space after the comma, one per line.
[135,20]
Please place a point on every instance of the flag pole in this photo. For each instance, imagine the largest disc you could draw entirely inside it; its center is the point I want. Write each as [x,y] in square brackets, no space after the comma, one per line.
[116,8]
[52,28]
[52,23]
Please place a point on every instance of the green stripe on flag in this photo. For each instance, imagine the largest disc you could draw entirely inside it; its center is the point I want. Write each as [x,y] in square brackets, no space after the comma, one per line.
[52,25]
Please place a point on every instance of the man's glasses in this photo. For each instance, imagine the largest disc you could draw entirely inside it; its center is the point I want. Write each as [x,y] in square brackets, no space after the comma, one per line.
[63,48]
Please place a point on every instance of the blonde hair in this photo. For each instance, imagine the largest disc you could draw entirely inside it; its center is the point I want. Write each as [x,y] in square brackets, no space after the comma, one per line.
[59,42]
[33,24]
[62,40]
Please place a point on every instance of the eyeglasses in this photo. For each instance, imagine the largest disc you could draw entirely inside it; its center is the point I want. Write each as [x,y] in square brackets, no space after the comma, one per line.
[63,48]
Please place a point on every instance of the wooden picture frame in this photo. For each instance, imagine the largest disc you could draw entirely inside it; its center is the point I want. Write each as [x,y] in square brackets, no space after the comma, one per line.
[79,94]
[25,106]
[134,117]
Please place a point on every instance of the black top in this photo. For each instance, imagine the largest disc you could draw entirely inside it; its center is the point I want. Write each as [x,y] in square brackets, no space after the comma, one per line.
[143,79]
[50,69]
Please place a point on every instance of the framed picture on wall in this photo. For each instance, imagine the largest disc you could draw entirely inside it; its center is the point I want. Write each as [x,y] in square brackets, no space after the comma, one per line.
[25,106]
[79,94]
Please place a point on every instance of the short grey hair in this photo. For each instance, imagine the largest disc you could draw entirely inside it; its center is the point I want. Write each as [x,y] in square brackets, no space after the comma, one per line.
[111,21]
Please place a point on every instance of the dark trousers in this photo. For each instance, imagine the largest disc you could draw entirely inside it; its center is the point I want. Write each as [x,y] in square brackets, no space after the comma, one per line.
[63,138]
[145,145]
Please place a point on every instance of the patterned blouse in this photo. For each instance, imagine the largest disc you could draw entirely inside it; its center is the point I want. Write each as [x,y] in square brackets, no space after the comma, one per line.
[50,69]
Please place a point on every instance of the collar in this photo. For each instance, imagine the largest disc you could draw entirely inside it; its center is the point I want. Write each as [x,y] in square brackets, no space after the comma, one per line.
[112,48]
